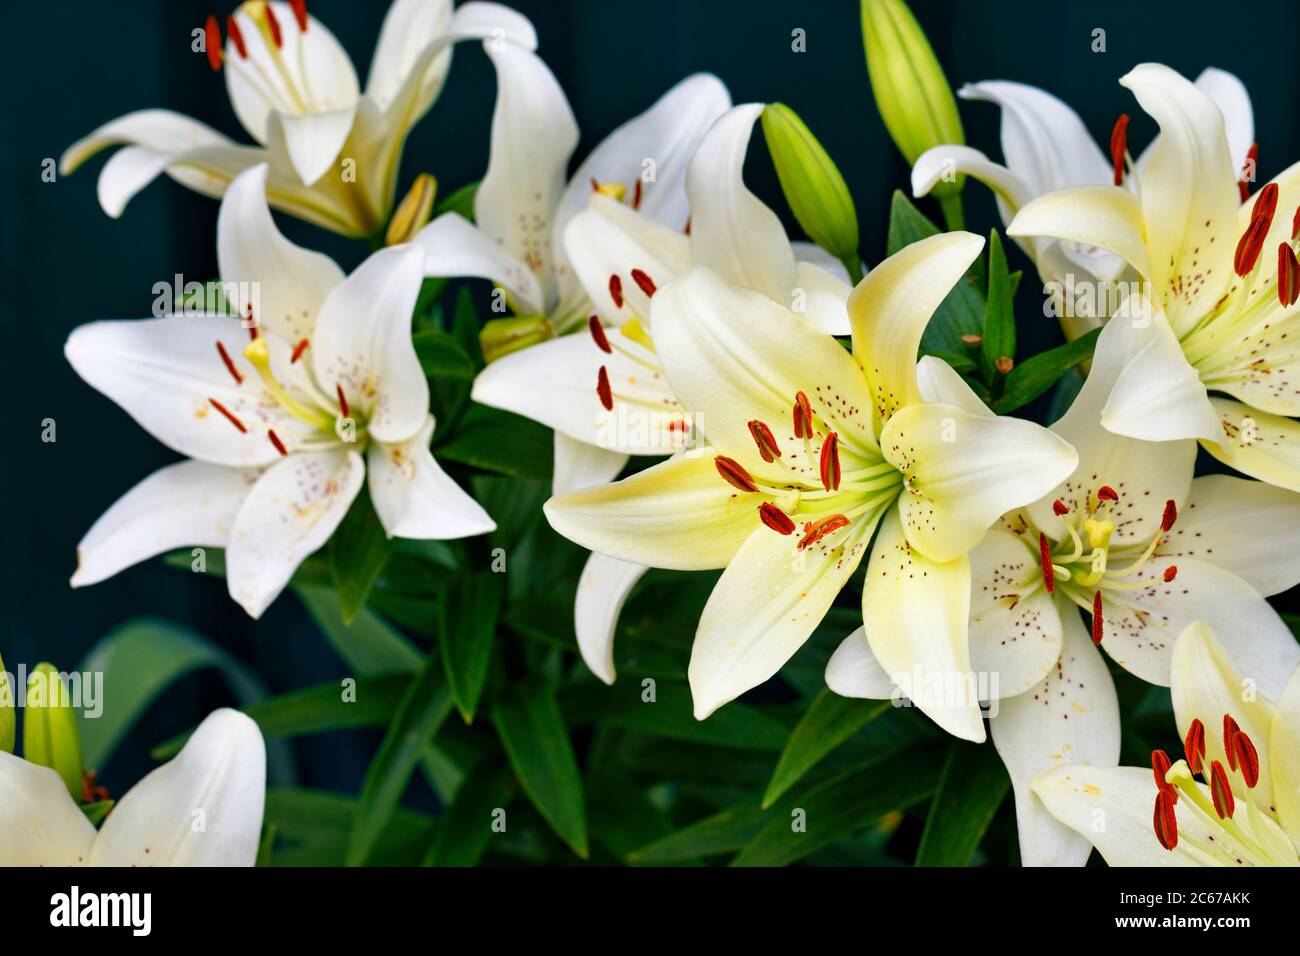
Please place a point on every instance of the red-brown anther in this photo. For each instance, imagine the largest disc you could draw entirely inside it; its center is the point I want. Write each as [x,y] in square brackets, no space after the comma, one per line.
[603,390]
[1250,246]
[1265,204]
[1194,745]
[765,440]
[274,25]
[802,416]
[1170,515]
[643,281]
[1247,758]
[1118,147]
[830,463]
[775,518]
[616,291]
[1288,275]
[1248,171]
[275,440]
[1160,764]
[92,792]
[298,350]
[230,365]
[236,36]
[1045,559]
[212,43]
[1295,224]
[598,333]
[230,416]
[1059,508]
[1107,493]
[1098,625]
[1166,822]
[595,184]
[734,473]
[300,13]
[1171,572]
[1230,731]
[819,529]
[636,194]
[343,401]
[686,229]
[1221,791]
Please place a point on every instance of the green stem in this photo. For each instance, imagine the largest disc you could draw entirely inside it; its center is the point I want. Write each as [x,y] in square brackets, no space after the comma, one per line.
[953,215]
[853,262]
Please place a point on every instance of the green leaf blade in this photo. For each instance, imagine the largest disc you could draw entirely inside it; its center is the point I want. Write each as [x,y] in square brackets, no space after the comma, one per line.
[828,722]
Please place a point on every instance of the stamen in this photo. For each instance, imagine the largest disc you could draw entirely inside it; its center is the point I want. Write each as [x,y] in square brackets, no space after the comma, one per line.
[616,291]
[236,36]
[274,26]
[644,281]
[603,390]
[228,413]
[830,463]
[230,365]
[598,333]
[1247,171]
[595,184]
[1224,802]
[212,41]
[1295,224]
[734,473]
[1247,759]
[636,194]
[819,529]
[1004,364]
[1045,559]
[802,416]
[1171,572]
[1230,731]
[686,230]
[343,401]
[1059,508]
[1118,147]
[275,440]
[775,518]
[765,440]
[1107,493]
[1194,745]
[1170,515]
[1265,203]
[1097,624]
[1166,822]
[1288,275]
[298,350]
[1250,245]
[1160,764]
[300,13]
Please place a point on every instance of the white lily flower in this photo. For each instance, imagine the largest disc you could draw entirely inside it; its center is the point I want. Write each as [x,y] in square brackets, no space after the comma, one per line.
[218,779]
[333,149]
[1046,148]
[810,449]
[1245,747]
[275,426]
[1224,276]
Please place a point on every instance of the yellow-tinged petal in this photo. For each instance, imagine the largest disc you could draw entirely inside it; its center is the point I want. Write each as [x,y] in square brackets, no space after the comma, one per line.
[1259,444]
[1093,215]
[1284,751]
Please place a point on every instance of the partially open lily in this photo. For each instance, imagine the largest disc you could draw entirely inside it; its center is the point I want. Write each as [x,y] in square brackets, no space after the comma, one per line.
[1223,274]
[1246,748]
[275,425]
[203,808]
[333,150]
[810,448]
[1046,147]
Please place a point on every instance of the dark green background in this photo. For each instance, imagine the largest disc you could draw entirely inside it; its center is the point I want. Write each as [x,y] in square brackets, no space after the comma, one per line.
[70,66]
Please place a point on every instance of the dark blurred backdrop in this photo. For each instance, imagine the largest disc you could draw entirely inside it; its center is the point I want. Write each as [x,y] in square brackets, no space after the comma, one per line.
[73,65]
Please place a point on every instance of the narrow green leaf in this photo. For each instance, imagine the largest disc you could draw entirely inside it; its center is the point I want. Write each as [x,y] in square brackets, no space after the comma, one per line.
[422,710]
[465,829]
[503,442]
[960,363]
[369,645]
[96,812]
[724,832]
[999,331]
[312,829]
[971,787]
[441,356]
[358,551]
[266,849]
[470,606]
[460,201]
[622,816]
[532,731]
[828,722]
[1036,375]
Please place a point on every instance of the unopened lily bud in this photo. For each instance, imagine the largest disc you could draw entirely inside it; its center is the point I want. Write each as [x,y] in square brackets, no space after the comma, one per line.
[414,211]
[8,713]
[500,337]
[913,95]
[50,735]
[813,186]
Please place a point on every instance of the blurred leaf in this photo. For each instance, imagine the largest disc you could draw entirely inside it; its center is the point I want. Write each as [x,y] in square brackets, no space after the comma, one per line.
[312,829]
[96,812]
[266,848]
[503,442]
[317,709]
[470,607]
[1036,375]
[314,570]
[724,832]
[829,722]
[465,828]
[999,331]
[532,731]
[369,645]
[1063,396]
[441,355]
[358,551]
[419,715]
[971,787]
[621,816]
[960,363]
[459,201]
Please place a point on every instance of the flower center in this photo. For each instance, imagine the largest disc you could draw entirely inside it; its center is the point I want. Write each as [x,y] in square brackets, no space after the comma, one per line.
[284,86]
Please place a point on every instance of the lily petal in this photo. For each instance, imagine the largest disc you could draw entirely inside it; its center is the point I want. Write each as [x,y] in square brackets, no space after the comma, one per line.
[1071,717]
[39,823]
[915,612]
[939,382]
[291,511]
[825,299]
[311,142]
[1102,216]
[203,808]
[453,246]
[577,465]
[945,163]
[1258,444]
[1233,100]
[1284,749]
[603,588]
[853,670]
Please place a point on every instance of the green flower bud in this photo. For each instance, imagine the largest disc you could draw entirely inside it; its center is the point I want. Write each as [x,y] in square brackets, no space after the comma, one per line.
[813,186]
[50,735]
[8,713]
[913,96]
[500,337]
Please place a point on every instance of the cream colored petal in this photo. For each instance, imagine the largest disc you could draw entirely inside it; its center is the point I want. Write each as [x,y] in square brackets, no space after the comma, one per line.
[1284,750]
[39,823]
[853,670]
[1259,444]
[1102,216]
[578,465]
[603,587]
